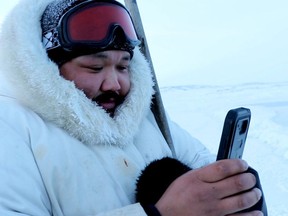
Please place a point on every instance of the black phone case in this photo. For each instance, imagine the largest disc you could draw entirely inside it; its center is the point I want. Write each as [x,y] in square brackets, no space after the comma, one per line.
[234,133]
[232,144]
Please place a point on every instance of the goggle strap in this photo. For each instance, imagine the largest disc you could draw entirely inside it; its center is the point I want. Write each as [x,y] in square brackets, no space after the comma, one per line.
[50,39]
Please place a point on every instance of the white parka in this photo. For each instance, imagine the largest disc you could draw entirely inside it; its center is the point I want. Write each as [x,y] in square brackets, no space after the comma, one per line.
[61,154]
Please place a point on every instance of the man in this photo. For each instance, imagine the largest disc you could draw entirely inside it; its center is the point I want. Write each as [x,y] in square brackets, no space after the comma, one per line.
[76,126]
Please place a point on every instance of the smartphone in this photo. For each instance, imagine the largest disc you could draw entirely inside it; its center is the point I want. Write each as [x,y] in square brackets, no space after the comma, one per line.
[234,133]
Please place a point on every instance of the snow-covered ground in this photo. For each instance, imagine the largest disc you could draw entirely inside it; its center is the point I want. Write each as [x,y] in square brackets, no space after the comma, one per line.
[202,109]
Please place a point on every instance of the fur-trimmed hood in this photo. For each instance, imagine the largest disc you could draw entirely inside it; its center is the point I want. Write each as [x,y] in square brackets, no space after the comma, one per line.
[35,81]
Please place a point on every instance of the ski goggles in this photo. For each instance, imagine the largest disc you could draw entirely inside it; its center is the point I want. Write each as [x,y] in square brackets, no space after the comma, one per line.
[92,25]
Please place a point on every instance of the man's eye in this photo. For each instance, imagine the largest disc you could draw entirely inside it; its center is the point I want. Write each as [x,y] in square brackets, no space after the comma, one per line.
[122,68]
[95,69]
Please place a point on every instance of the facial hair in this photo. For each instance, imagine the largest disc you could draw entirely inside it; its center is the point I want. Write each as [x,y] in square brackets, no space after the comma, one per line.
[109,96]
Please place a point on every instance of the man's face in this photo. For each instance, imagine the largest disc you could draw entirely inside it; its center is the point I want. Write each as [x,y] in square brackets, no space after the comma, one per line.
[103,77]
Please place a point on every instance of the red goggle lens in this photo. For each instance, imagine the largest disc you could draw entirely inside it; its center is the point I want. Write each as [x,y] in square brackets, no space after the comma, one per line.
[79,27]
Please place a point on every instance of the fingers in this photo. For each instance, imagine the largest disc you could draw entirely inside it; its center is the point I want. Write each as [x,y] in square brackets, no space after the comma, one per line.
[223,185]
[234,185]
[221,170]
[254,213]
[242,201]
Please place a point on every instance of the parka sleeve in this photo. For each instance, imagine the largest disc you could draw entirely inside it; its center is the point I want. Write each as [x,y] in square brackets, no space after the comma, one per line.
[189,149]
[130,210]
[21,189]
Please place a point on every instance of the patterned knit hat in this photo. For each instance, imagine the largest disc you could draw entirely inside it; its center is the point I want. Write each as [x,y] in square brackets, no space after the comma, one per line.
[50,24]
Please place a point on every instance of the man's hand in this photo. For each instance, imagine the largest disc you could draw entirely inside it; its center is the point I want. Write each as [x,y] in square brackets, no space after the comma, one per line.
[214,190]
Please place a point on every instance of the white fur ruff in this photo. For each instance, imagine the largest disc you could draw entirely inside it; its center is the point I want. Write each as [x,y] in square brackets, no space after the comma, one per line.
[37,84]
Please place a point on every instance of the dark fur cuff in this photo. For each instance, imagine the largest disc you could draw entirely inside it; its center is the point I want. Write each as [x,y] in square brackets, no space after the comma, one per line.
[156,178]
[151,210]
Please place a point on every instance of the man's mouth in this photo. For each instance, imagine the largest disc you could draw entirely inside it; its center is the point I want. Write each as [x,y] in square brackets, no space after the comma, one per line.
[109,101]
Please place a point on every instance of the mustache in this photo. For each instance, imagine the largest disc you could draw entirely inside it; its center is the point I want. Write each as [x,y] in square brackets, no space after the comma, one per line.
[107,96]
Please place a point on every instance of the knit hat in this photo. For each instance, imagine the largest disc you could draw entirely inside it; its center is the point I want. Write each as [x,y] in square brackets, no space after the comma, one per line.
[50,24]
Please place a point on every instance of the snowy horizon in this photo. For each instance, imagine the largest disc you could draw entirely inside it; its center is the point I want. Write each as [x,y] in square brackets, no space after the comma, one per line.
[213,42]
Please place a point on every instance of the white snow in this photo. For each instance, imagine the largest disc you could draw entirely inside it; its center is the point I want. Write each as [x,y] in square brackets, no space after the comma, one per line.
[201,109]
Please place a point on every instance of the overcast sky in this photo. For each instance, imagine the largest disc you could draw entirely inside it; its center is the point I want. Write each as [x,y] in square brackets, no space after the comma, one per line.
[214,42]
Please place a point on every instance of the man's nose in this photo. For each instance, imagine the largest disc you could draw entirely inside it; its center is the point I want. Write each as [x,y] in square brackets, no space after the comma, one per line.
[111,82]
